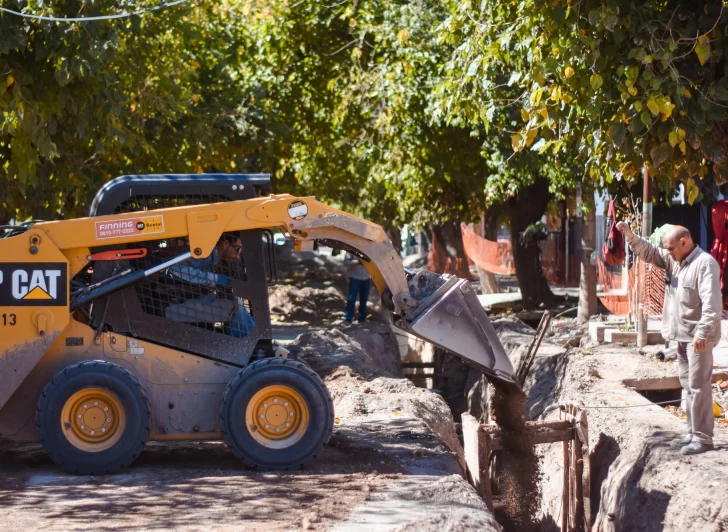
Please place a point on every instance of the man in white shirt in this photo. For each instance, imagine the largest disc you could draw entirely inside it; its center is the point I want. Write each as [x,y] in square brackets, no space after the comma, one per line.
[691,316]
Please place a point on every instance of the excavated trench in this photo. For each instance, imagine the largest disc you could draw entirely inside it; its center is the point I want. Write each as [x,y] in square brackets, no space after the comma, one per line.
[636,480]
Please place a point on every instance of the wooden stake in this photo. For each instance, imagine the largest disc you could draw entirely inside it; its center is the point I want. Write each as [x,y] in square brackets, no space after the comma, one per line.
[485,464]
[525,366]
[472,445]
[565,496]
[582,431]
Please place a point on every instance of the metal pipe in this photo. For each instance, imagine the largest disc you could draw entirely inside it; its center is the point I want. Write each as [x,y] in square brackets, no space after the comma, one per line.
[646,231]
[167,264]
[85,296]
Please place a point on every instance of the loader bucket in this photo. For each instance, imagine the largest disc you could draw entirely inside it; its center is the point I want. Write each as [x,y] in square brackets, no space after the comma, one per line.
[452,318]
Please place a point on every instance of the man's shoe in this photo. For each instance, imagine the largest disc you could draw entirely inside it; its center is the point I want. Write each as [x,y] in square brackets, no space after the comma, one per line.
[677,443]
[696,447]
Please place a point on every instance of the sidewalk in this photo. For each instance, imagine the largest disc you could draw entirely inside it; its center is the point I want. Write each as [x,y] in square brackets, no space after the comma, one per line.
[489,300]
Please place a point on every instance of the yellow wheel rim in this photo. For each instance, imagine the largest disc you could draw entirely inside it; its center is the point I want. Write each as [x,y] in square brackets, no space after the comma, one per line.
[93,419]
[277,417]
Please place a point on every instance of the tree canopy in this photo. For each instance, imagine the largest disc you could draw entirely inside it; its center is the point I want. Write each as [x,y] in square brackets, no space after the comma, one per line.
[412,110]
[84,102]
[617,83]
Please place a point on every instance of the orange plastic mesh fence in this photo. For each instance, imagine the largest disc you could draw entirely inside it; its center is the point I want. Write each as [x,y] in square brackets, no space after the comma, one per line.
[616,299]
[653,288]
[495,257]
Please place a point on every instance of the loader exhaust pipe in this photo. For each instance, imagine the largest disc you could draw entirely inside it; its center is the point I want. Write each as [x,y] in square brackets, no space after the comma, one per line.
[88,294]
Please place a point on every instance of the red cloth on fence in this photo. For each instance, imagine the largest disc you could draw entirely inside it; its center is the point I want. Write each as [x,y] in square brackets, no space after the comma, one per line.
[719,215]
[613,248]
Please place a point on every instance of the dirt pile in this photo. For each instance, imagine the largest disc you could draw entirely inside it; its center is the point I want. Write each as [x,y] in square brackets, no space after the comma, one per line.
[312,289]
[314,306]
[369,349]
[391,401]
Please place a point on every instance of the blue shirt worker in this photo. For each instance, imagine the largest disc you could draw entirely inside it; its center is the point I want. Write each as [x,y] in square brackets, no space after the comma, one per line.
[691,316]
[360,283]
[216,303]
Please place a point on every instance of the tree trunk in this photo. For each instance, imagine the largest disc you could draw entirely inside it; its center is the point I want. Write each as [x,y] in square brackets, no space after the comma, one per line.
[447,254]
[525,209]
[426,239]
[488,282]
[395,236]
[588,280]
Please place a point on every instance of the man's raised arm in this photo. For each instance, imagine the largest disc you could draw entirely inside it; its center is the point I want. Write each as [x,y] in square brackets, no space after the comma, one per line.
[642,248]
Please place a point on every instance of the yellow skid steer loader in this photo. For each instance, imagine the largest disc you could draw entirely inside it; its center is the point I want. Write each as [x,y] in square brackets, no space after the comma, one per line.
[149,320]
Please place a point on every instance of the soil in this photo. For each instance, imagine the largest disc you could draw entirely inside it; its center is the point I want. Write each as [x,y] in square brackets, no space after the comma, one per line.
[637,481]
[312,289]
[518,495]
[370,349]
[393,462]
[519,477]
[305,306]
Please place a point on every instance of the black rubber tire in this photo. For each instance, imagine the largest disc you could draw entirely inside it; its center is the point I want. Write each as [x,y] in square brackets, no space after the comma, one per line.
[276,371]
[97,374]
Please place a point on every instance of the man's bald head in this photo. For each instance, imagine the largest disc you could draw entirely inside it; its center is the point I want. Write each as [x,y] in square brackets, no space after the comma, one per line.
[678,242]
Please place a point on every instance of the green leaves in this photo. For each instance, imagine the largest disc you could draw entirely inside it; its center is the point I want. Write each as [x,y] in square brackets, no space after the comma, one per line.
[596,81]
[660,154]
[645,118]
[616,134]
[611,21]
[693,191]
[653,106]
[658,104]
[609,69]
[116,97]
[702,49]
[473,68]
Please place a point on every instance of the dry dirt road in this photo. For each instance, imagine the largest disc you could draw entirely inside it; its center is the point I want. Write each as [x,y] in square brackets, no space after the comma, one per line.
[384,469]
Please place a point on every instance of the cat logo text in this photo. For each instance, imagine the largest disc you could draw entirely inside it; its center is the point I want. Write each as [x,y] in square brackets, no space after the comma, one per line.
[34,284]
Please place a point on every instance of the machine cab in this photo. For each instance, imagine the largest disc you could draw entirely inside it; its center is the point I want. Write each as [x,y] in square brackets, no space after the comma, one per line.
[215,306]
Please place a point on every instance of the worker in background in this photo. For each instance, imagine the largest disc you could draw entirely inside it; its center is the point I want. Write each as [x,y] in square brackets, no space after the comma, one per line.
[211,307]
[359,285]
[690,316]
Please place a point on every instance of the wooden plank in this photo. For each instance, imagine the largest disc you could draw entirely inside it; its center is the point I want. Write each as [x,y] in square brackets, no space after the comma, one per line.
[538,433]
[578,485]
[534,425]
[582,431]
[565,495]
[485,457]
[572,485]
[430,365]
[572,478]
[536,438]
[665,383]
[527,361]
[472,445]
[532,355]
